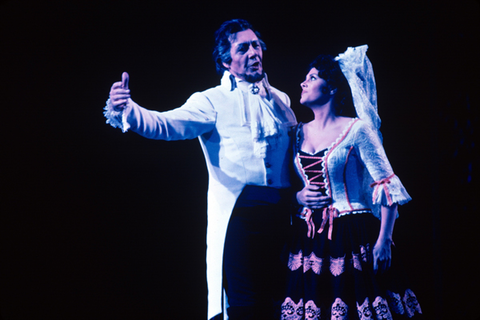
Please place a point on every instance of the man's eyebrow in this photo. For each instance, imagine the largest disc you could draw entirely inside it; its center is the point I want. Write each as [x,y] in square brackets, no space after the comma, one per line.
[242,44]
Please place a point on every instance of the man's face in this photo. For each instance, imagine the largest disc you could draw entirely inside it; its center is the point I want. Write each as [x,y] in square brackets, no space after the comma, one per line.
[246,53]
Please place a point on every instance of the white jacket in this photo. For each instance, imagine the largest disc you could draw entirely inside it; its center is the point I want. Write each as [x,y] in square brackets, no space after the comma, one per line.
[220,118]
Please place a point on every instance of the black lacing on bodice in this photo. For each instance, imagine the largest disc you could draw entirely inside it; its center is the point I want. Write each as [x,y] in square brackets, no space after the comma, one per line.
[313,168]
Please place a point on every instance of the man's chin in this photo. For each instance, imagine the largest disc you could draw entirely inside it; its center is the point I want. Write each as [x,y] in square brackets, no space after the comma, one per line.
[254,77]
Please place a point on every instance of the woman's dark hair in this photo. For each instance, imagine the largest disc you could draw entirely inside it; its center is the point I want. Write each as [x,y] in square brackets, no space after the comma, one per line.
[329,70]
[221,52]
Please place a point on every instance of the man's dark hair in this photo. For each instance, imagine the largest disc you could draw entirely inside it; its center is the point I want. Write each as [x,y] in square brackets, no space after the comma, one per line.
[329,70]
[226,32]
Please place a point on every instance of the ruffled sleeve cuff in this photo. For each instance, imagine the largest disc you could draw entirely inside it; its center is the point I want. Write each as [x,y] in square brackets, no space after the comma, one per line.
[388,191]
[117,119]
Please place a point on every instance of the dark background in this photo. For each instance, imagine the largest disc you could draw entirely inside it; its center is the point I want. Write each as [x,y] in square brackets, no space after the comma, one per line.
[97,224]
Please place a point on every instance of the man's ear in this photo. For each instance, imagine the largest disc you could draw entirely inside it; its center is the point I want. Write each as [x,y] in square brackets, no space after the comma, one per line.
[226,65]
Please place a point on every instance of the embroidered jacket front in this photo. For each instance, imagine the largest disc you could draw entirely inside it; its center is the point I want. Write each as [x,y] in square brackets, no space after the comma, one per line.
[357,173]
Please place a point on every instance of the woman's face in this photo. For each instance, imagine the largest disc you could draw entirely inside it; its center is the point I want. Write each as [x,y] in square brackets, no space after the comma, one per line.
[314,90]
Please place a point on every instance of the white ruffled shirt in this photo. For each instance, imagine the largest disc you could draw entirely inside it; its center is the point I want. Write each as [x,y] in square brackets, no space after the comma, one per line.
[261,115]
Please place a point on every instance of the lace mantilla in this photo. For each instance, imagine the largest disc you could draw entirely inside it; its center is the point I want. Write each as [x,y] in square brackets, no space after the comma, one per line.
[358,71]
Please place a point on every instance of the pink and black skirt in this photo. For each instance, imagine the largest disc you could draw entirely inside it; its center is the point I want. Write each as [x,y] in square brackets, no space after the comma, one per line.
[335,279]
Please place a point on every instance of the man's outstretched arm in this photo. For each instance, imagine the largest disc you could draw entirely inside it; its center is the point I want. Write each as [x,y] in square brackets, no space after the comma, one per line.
[194,118]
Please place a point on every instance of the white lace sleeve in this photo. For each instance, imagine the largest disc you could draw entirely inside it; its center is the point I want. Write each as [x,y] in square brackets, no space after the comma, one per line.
[117,119]
[386,187]
[389,191]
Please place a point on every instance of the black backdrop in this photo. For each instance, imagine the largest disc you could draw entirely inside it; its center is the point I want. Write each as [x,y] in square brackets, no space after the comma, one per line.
[97,224]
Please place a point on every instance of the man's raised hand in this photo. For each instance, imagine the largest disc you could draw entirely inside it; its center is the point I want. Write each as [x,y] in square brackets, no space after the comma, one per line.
[125,79]
[119,93]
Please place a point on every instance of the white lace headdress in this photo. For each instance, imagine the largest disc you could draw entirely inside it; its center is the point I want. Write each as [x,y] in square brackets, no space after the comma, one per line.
[358,70]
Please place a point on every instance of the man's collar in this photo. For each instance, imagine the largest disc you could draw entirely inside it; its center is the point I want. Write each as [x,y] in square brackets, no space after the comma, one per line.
[230,82]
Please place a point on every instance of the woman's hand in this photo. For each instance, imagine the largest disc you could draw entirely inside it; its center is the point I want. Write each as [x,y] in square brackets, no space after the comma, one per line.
[382,255]
[311,198]
[382,251]
[119,93]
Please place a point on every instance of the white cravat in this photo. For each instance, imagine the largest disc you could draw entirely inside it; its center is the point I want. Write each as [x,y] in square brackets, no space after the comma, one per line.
[262,115]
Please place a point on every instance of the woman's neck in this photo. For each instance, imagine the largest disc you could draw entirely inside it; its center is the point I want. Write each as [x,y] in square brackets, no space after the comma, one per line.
[323,130]
[323,116]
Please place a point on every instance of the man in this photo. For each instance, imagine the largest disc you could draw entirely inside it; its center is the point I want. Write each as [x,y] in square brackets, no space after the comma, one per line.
[243,127]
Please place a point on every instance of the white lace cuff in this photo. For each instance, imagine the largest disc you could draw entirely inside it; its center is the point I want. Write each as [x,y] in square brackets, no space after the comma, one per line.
[117,119]
[389,191]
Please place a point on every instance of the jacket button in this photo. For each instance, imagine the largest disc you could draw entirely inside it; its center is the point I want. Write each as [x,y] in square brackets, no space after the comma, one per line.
[268,165]
[269,181]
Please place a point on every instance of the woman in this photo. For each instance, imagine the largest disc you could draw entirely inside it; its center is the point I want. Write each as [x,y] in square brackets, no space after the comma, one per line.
[340,257]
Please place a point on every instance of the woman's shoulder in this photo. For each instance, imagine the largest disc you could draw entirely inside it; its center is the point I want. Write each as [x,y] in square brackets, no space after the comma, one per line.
[363,131]
[359,124]
[299,126]
[355,128]
[345,120]
[297,130]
